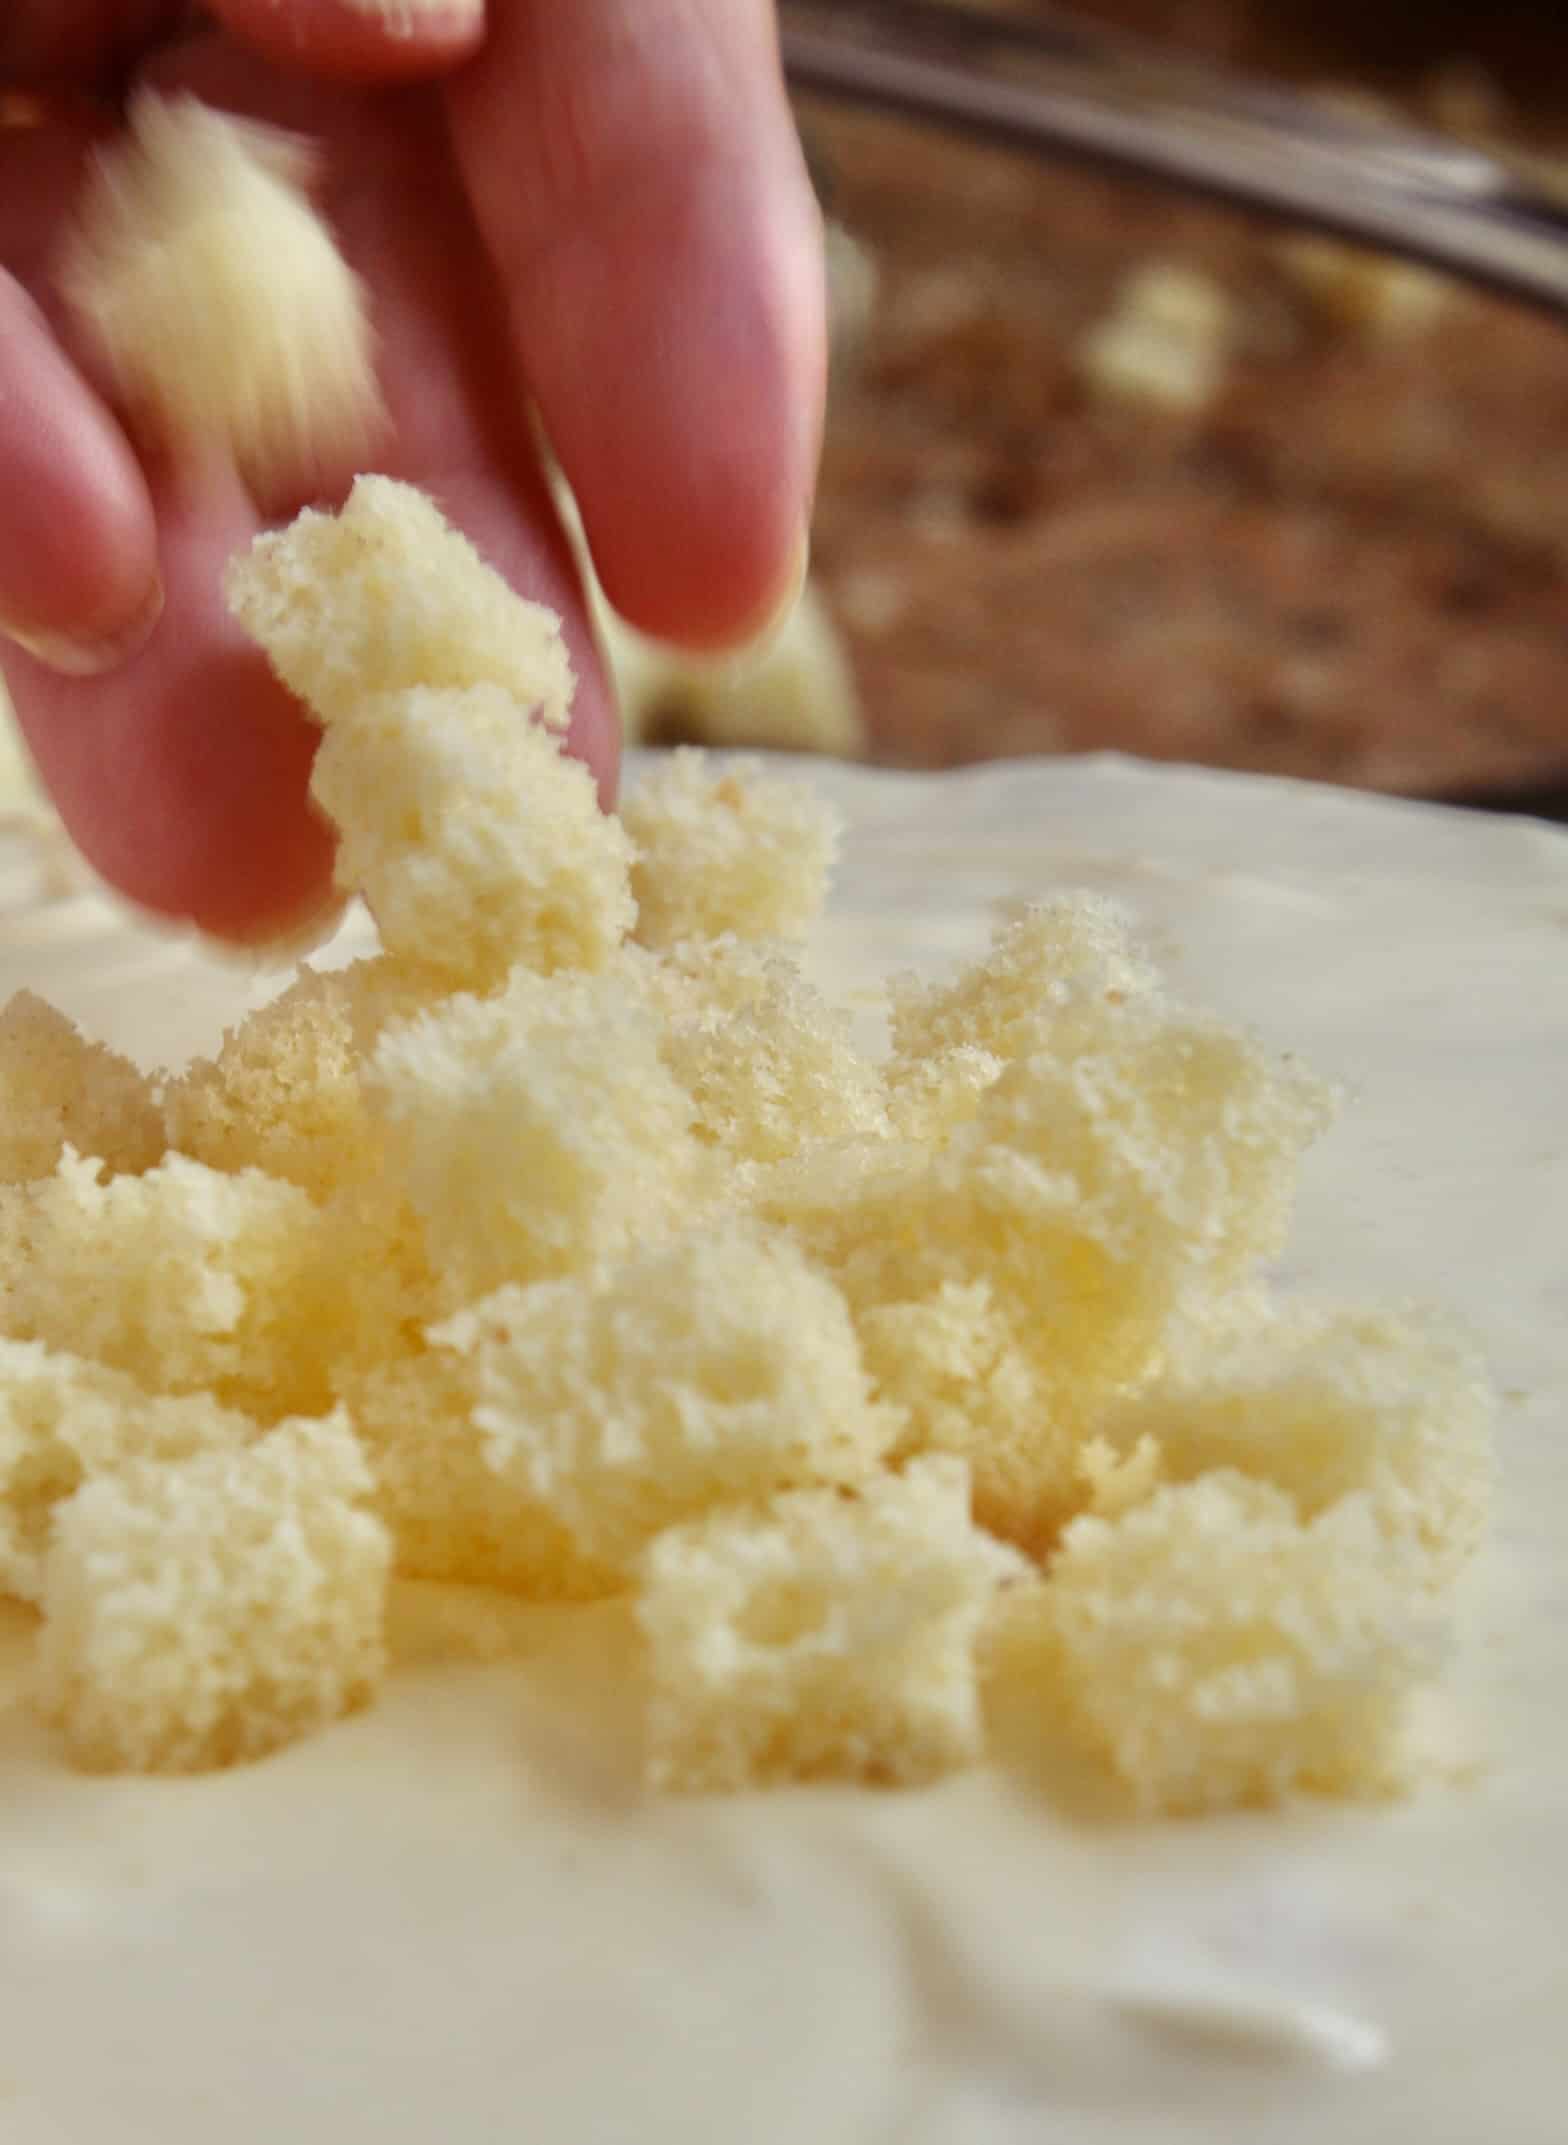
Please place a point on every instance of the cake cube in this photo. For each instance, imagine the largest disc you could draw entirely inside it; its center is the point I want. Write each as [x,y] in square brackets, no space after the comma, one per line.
[206,1612]
[715,1368]
[1212,1650]
[828,1635]
[59,1090]
[722,848]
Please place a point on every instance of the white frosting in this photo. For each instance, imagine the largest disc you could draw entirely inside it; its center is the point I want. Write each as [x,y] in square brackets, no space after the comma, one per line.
[457,1917]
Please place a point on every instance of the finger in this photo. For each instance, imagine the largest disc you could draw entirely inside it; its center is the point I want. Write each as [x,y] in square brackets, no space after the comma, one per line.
[458,424]
[185,779]
[358,40]
[182,779]
[78,557]
[638,179]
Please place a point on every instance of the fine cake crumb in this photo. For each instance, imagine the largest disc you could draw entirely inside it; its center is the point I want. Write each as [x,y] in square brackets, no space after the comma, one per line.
[727,851]
[1051,978]
[827,1636]
[383,597]
[771,1068]
[201,272]
[1213,1650]
[713,1369]
[1118,1478]
[452,1516]
[284,1093]
[537,1131]
[184,1278]
[64,1422]
[1322,1402]
[928,1098]
[59,1090]
[204,1612]
[475,841]
[1012,1284]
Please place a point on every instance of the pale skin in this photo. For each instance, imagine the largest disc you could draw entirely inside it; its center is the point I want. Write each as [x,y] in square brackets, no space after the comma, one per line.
[595,208]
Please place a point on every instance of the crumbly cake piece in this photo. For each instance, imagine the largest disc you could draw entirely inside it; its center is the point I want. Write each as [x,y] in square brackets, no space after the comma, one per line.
[452,1515]
[824,1636]
[1323,1402]
[1164,341]
[283,1094]
[186,1279]
[476,844]
[1050,978]
[475,841]
[65,1421]
[717,1368]
[721,852]
[59,1090]
[535,1132]
[1012,1284]
[201,271]
[1212,1649]
[772,1069]
[206,1611]
[384,597]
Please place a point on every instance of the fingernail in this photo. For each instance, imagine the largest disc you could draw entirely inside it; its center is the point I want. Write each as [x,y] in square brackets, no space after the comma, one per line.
[424,18]
[82,656]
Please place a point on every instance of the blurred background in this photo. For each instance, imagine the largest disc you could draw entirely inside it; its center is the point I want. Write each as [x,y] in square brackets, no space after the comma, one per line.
[1108,468]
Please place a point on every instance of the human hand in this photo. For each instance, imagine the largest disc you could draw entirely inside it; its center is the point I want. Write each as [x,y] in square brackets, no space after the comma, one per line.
[598,209]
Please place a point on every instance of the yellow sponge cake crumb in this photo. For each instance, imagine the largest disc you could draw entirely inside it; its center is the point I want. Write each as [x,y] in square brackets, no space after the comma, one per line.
[186,1279]
[475,841]
[201,271]
[64,1422]
[1322,1402]
[826,1636]
[59,1090]
[724,852]
[385,597]
[283,1094]
[536,1131]
[1057,972]
[1017,1281]
[771,1067]
[717,1368]
[205,1611]
[452,1515]
[1215,1650]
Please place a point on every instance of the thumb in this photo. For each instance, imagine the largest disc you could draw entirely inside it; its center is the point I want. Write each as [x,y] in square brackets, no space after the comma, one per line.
[358,40]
